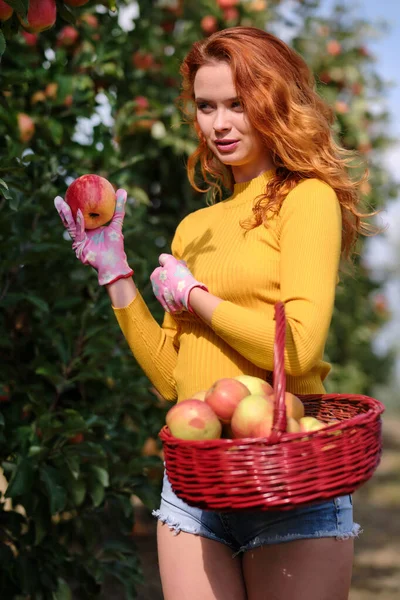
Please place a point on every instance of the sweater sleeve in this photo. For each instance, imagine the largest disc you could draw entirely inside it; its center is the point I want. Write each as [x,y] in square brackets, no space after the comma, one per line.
[309,230]
[154,347]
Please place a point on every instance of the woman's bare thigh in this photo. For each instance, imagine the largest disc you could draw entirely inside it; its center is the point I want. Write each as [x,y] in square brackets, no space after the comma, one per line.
[310,569]
[197,568]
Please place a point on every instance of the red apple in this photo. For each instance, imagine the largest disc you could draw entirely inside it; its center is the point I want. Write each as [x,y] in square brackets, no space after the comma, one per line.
[5,11]
[68,36]
[90,20]
[30,38]
[231,14]
[250,411]
[333,47]
[256,385]
[4,392]
[193,420]
[95,196]
[209,24]
[224,396]
[26,127]
[41,16]
[142,104]
[227,3]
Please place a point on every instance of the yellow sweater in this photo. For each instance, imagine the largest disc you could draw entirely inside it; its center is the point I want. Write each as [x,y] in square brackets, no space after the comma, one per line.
[295,259]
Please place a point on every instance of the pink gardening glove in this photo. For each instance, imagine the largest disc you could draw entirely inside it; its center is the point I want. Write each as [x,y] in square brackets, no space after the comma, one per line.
[172,283]
[101,248]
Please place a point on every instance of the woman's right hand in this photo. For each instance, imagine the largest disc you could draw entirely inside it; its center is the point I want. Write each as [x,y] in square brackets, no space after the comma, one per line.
[101,248]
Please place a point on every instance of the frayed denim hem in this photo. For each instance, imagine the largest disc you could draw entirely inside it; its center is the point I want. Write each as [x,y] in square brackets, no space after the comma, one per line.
[176,528]
[279,539]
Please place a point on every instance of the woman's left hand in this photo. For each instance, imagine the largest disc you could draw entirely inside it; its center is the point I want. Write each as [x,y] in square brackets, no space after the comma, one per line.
[172,283]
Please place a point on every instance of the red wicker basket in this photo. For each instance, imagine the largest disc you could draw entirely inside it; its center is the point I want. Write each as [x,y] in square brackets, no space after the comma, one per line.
[284,470]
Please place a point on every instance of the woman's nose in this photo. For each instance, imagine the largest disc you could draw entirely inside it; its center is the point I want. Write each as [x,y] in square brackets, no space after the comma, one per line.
[221,121]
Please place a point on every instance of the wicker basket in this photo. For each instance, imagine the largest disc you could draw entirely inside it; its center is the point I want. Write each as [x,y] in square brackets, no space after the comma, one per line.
[284,470]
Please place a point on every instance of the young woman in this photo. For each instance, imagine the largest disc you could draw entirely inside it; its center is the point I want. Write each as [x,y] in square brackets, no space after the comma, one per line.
[293,212]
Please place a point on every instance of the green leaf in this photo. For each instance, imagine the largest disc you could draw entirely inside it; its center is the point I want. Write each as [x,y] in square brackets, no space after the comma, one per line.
[65,13]
[63,591]
[77,491]
[22,479]
[97,493]
[2,43]
[56,493]
[101,475]
[20,6]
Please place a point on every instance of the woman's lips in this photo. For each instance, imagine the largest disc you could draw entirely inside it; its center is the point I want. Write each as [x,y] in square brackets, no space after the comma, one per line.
[226,145]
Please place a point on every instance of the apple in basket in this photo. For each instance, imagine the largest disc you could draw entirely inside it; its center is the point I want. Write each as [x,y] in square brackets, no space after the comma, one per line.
[193,419]
[294,406]
[249,413]
[224,396]
[255,385]
[310,424]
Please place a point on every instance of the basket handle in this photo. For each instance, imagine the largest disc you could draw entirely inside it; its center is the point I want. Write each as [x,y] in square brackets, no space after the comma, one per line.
[279,375]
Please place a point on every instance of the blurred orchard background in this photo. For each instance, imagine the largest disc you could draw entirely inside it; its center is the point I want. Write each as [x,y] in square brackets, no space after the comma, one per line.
[90,87]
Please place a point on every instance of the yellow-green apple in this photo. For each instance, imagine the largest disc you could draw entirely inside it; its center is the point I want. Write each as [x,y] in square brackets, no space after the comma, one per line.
[249,412]
[193,420]
[95,196]
[310,424]
[255,385]
[292,426]
[5,11]
[41,16]
[294,406]
[26,127]
[224,396]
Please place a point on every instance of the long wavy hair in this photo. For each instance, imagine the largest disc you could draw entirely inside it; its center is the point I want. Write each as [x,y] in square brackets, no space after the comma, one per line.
[279,97]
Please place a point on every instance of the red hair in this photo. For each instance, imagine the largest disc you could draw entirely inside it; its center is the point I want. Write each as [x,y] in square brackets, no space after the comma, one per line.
[277,90]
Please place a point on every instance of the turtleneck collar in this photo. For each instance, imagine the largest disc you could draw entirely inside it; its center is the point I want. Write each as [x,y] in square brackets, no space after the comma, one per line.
[246,190]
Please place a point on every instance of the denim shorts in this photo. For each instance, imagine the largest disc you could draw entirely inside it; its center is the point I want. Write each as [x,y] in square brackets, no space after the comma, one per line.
[251,529]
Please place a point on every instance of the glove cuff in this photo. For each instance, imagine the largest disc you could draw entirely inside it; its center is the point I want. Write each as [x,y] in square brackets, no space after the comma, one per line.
[199,285]
[109,278]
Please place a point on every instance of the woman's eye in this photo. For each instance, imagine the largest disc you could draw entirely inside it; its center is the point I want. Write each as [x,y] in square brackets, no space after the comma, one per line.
[203,106]
[237,105]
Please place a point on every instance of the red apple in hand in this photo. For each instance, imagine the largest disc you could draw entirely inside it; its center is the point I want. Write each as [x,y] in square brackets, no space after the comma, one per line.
[224,396]
[95,196]
[193,420]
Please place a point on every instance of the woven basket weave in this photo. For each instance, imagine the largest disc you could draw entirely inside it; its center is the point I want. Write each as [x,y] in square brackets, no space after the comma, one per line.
[284,470]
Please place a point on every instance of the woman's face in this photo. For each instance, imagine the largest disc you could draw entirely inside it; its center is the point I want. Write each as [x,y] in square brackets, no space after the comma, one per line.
[224,124]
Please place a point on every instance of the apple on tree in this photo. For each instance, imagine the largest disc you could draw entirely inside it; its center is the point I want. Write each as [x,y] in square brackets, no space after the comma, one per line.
[95,197]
